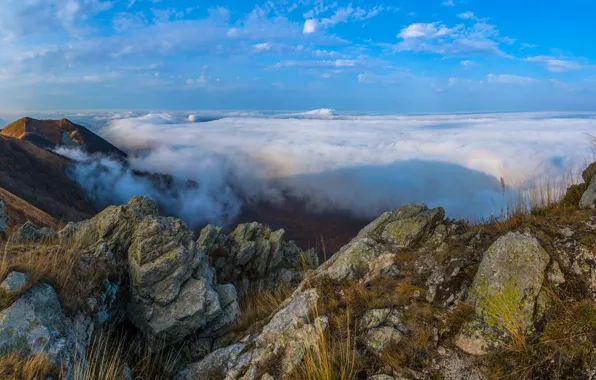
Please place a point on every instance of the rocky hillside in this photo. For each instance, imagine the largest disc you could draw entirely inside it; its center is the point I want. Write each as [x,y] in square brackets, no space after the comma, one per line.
[49,134]
[413,296]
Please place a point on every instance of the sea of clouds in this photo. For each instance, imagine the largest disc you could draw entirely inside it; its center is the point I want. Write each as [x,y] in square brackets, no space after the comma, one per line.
[360,164]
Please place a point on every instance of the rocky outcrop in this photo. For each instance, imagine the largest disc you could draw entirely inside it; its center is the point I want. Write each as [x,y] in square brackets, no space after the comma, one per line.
[254,255]
[3,221]
[173,292]
[292,329]
[504,292]
[35,323]
[390,233]
[27,233]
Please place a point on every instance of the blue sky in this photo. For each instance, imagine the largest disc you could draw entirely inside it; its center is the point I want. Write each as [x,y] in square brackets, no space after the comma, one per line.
[398,56]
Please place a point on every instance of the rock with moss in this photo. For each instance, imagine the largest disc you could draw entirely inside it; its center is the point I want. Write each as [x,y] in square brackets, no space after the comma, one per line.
[36,324]
[390,233]
[253,255]
[504,292]
[172,290]
[27,233]
[14,283]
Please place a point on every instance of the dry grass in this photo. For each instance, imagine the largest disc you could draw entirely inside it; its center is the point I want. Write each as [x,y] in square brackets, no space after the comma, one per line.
[16,367]
[258,304]
[110,357]
[56,264]
[330,355]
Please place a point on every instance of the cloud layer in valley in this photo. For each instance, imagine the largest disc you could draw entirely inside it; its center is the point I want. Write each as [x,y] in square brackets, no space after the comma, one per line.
[363,165]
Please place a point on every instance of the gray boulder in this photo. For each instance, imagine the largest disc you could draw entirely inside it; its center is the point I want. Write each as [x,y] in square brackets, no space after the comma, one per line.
[588,199]
[14,283]
[382,327]
[35,323]
[27,233]
[172,292]
[504,292]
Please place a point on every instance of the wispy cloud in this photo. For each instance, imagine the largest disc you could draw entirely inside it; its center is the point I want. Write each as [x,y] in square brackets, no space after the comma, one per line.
[510,79]
[438,38]
[557,65]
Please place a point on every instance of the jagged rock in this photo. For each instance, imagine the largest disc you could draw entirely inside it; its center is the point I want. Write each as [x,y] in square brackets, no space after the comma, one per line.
[35,323]
[3,221]
[504,291]
[382,317]
[14,282]
[389,233]
[218,363]
[588,199]
[172,291]
[254,254]
[27,233]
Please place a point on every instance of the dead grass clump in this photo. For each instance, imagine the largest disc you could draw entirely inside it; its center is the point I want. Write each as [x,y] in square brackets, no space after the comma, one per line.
[258,304]
[16,367]
[330,355]
[111,357]
[563,349]
[58,265]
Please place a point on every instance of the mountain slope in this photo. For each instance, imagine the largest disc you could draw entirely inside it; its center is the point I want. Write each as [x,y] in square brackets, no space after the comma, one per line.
[49,134]
[20,211]
[40,178]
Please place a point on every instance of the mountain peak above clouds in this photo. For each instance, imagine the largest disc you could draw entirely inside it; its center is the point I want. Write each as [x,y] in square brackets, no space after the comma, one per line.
[50,134]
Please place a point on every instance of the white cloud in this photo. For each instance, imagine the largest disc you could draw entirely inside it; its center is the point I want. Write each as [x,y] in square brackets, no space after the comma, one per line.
[448,3]
[382,163]
[310,26]
[510,79]
[264,46]
[201,82]
[528,46]
[467,63]
[557,65]
[437,38]
[101,77]
[307,64]
[467,16]
[20,18]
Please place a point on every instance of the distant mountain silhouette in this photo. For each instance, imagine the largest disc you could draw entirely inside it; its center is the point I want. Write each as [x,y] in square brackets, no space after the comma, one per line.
[49,134]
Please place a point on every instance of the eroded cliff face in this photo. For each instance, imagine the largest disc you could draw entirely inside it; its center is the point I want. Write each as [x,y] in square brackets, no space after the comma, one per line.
[413,295]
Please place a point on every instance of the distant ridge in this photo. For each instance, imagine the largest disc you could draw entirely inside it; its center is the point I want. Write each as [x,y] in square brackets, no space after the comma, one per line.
[49,134]
[39,177]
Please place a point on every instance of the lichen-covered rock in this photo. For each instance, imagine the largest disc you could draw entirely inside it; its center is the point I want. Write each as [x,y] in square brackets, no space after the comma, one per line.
[253,254]
[35,323]
[588,199]
[382,327]
[27,233]
[14,283]
[171,291]
[378,338]
[3,220]
[504,291]
[218,363]
[390,233]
